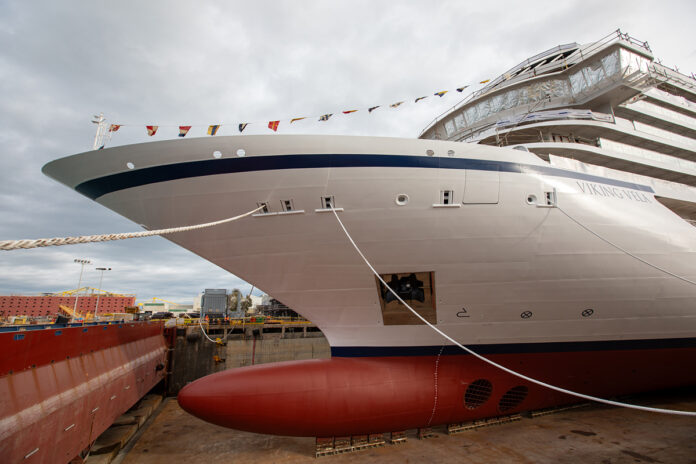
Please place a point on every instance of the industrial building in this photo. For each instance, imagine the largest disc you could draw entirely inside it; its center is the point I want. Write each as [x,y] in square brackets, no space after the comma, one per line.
[48,304]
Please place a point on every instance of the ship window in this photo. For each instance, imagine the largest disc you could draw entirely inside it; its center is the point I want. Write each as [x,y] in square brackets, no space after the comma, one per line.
[327,202]
[265,206]
[560,138]
[287,205]
[446,197]
[417,289]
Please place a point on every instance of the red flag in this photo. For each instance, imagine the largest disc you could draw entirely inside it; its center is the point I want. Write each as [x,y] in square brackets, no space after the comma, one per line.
[273,125]
[151,130]
[349,111]
[114,127]
[183,130]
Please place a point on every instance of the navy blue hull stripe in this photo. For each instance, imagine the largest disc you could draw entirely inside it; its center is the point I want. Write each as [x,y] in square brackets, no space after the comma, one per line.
[514,348]
[134,178]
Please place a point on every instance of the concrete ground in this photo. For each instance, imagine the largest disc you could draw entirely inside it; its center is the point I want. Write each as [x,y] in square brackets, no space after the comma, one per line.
[591,434]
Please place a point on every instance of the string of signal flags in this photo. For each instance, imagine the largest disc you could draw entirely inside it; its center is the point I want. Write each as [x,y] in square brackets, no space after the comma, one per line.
[273,125]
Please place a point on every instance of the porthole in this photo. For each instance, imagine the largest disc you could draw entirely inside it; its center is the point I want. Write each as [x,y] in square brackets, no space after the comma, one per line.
[130,165]
[588,312]
[429,152]
[241,152]
[526,314]
[477,393]
[402,199]
[450,153]
[217,154]
[512,398]
[531,199]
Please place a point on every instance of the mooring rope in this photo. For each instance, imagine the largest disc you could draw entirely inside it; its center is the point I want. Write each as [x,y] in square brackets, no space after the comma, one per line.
[623,249]
[499,366]
[8,245]
[200,322]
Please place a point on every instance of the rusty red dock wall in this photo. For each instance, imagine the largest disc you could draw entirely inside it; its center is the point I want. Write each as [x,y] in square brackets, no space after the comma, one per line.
[61,387]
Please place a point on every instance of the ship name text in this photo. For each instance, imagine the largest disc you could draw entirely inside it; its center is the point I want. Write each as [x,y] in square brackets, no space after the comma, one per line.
[590,188]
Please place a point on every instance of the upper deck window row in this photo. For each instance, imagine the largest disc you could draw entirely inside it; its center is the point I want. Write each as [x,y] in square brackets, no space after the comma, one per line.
[619,64]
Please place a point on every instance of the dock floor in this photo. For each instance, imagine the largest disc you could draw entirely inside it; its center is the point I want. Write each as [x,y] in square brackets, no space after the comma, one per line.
[590,434]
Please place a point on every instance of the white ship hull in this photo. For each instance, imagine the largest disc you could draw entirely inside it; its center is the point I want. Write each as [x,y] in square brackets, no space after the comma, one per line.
[496,252]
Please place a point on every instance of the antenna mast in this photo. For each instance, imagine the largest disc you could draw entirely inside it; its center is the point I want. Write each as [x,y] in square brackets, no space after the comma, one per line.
[100,121]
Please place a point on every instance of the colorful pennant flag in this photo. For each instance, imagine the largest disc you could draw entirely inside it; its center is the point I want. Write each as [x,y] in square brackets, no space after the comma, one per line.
[273,125]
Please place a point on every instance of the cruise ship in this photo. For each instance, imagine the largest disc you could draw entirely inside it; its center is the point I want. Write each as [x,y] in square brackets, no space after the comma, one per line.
[546,223]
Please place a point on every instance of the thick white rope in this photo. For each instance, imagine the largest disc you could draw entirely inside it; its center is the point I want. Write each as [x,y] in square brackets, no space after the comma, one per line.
[200,322]
[494,364]
[8,245]
[623,249]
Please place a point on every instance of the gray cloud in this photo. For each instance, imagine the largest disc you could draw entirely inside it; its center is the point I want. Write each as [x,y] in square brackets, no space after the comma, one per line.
[228,62]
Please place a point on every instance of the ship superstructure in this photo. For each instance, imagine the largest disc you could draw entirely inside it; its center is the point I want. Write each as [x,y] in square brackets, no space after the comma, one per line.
[577,274]
[608,104]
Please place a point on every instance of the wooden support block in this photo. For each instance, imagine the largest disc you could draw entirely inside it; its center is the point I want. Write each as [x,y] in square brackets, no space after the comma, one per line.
[397,437]
[341,443]
[113,438]
[425,432]
[359,440]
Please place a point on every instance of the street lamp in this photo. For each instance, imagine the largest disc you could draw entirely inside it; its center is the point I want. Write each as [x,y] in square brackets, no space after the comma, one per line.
[82,262]
[102,269]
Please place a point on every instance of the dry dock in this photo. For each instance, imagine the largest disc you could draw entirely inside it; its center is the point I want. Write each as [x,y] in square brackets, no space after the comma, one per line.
[590,434]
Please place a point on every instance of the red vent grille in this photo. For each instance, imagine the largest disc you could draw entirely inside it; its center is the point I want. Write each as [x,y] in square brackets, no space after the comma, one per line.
[512,398]
[477,393]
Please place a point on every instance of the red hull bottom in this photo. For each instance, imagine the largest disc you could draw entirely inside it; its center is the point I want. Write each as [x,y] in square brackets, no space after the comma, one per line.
[352,396]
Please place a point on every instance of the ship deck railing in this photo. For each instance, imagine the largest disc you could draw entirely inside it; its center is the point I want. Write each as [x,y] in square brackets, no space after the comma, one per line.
[578,56]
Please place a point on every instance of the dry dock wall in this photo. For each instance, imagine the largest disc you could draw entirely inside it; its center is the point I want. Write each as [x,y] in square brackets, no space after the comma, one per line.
[194,356]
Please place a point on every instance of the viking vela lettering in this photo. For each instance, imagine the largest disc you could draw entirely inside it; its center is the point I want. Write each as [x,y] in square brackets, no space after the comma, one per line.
[590,188]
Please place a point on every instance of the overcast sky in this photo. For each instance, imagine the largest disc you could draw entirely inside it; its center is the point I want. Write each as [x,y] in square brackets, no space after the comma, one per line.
[200,63]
